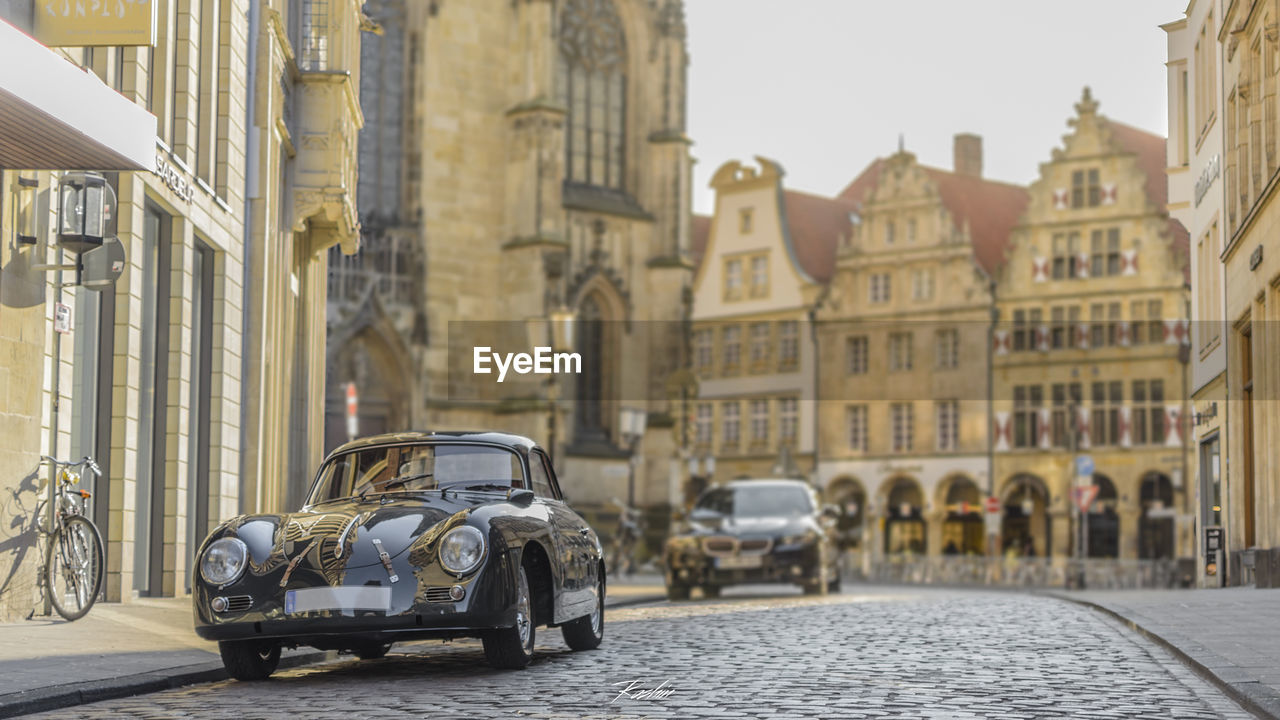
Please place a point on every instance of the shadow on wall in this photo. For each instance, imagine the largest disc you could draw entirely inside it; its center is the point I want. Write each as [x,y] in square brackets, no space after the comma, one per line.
[19,544]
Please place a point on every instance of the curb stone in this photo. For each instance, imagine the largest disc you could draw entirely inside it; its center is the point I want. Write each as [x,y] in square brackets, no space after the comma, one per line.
[1252,695]
[72,694]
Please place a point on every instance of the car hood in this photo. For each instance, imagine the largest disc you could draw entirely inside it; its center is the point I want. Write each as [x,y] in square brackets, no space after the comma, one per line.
[774,527]
[345,532]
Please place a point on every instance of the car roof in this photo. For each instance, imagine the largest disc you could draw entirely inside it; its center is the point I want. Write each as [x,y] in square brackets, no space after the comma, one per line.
[515,442]
[775,482]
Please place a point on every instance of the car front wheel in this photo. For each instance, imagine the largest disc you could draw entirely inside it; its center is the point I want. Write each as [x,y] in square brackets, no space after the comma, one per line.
[249,659]
[586,632]
[512,648]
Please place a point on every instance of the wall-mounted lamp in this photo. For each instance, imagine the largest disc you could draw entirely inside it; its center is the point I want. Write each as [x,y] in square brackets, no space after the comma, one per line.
[86,211]
[26,191]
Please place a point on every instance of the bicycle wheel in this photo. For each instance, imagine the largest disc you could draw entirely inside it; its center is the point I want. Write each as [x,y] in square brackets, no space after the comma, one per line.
[73,567]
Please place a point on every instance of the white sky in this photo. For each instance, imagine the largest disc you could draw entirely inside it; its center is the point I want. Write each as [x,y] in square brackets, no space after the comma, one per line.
[825,86]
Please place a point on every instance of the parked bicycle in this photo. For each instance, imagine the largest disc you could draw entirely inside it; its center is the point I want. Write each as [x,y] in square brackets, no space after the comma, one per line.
[73,560]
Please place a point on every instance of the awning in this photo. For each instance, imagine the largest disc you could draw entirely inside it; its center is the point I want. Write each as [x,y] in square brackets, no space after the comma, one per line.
[56,116]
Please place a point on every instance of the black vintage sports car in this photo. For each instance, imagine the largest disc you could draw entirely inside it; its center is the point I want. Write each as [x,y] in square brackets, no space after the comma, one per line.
[406,536]
[754,531]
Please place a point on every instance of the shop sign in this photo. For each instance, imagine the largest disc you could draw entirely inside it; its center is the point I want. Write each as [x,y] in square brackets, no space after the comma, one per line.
[95,23]
[1207,176]
[174,179]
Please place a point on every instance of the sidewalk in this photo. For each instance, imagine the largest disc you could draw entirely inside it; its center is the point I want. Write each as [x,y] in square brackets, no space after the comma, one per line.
[1231,635]
[146,645]
[115,651]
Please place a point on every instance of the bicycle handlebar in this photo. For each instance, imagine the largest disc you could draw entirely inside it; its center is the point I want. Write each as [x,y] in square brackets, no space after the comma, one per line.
[86,461]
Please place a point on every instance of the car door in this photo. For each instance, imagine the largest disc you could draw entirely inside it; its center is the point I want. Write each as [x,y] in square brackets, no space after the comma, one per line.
[574,538]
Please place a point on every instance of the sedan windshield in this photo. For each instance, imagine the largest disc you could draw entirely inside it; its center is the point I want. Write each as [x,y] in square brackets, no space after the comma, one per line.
[415,468]
[762,501]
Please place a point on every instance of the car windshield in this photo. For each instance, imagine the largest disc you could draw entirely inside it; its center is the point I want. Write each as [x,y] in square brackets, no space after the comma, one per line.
[415,468]
[762,501]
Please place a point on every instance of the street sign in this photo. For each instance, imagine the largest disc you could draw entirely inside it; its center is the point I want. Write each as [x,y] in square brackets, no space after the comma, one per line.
[992,517]
[1084,496]
[993,506]
[62,318]
[1084,466]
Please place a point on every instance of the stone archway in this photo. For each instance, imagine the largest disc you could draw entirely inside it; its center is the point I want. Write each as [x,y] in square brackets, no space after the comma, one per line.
[1025,527]
[1104,520]
[962,526]
[848,495]
[367,349]
[1156,536]
[904,527]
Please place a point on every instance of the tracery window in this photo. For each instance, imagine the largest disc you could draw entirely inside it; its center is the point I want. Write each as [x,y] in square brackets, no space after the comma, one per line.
[591,82]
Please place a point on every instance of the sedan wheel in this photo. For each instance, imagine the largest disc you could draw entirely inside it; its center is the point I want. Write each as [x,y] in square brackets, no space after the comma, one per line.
[512,648]
[586,632]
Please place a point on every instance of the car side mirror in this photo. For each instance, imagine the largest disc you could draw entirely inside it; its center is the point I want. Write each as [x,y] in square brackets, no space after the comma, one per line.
[520,496]
[830,511]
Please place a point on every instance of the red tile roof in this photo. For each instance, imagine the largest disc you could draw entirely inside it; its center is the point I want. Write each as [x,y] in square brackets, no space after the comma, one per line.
[1150,150]
[816,225]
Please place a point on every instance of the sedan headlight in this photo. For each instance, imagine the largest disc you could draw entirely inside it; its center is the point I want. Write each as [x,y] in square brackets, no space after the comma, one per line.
[461,549]
[224,561]
[805,538]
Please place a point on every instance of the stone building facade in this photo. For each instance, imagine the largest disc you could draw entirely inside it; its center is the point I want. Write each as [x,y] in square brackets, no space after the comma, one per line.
[1251,261]
[190,380]
[975,338]
[519,158]
[1196,199]
[1091,355]
[903,353]
[765,257]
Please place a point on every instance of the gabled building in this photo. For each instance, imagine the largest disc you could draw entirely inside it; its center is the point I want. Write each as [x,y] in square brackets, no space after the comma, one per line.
[766,256]
[902,329]
[1090,354]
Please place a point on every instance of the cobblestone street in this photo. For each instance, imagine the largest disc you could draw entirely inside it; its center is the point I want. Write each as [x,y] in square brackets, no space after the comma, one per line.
[875,653]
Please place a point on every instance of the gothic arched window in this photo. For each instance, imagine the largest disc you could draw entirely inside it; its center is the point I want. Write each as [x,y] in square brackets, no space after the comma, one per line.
[591,82]
[591,381]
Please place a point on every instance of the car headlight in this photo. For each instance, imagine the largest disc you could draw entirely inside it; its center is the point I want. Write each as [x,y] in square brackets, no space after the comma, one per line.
[224,561]
[461,549]
[805,538]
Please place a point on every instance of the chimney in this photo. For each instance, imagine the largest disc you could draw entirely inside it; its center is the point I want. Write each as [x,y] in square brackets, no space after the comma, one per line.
[968,154]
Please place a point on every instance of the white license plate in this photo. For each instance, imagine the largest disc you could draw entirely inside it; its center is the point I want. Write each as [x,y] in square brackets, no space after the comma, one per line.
[337,598]
[740,562]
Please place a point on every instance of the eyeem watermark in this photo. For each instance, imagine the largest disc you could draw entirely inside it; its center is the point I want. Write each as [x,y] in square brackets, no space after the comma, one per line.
[542,362]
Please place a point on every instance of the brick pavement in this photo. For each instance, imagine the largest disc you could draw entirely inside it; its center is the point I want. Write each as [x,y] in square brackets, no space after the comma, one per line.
[1230,634]
[142,646]
[914,652]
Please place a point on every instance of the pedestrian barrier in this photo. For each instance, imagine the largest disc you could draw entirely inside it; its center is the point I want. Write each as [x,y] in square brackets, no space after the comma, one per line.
[1093,573]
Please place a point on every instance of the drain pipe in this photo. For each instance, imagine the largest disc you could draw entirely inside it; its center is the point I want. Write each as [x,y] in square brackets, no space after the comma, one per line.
[250,192]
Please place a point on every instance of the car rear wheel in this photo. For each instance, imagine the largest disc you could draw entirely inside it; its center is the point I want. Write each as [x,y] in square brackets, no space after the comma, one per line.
[512,648]
[249,659]
[586,632]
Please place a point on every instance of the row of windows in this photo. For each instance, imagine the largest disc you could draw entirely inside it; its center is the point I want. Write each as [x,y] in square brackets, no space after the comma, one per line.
[759,422]
[763,339]
[757,282]
[1105,326]
[902,426]
[901,355]
[880,287]
[1104,425]
[1103,258]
